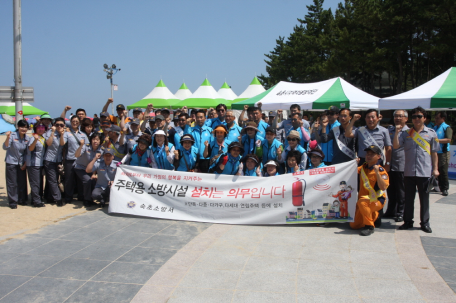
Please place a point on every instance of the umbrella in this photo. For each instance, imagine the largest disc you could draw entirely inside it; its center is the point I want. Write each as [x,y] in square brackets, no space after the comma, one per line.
[160,96]
[438,93]
[317,95]
[204,97]
[27,110]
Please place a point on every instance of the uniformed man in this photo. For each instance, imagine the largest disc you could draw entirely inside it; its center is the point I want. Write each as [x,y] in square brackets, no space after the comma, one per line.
[396,190]
[372,185]
[420,148]
[444,133]
[106,172]
[343,148]
[135,133]
[371,134]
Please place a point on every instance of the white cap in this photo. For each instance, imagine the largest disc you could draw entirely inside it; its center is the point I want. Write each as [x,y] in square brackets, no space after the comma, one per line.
[271,162]
[160,132]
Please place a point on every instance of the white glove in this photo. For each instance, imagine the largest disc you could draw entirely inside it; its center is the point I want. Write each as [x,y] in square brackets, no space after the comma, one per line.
[241,168]
[258,143]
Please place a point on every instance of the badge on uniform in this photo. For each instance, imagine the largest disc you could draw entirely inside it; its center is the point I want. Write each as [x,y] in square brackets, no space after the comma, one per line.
[384,177]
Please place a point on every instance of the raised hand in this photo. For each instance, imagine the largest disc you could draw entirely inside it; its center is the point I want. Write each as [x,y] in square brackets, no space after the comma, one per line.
[67,108]
[36,136]
[399,128]
[8,134]
[296,168]
[53,128]
[166,149]
[61,130]
[176,154]
[356,117]
[258,171]
[246,107]
[125,113]
[150,107]
[259,104]
[110,100]
[258,143]
[279,151]
[97,156]
[82,141]
[206,143]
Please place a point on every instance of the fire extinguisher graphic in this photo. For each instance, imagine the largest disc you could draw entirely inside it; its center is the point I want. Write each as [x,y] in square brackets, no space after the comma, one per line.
[298,191]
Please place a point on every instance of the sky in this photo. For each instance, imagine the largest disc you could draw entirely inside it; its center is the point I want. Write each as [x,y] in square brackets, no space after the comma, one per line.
[66,43]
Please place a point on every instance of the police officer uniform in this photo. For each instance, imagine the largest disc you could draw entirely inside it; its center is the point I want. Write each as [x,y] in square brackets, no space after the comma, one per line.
[106,174]
[87,155]
[396,190]
[417,171]
[72,139]
[52,159]
[338,156]
[379,134]
[34,160]
[16,178]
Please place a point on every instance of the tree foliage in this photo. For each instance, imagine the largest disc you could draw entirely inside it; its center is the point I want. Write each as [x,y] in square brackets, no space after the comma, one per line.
[383,46]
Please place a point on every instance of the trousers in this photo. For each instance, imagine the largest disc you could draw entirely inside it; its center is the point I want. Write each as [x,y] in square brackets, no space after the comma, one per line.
[411,184]
[87,183]
[52,176]
[100,194]
[35,179]
[366,213]
[444,160]
[16,184]
[396,194]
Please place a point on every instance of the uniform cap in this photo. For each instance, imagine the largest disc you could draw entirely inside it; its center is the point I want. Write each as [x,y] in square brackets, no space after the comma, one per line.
[137,109]
[108,151]
[120,106]
[114,128]
[135,121]
[104,114]
[374,148]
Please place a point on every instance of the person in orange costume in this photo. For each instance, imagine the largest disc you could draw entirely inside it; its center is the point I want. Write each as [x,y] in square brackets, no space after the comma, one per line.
[373,182]
[343,194]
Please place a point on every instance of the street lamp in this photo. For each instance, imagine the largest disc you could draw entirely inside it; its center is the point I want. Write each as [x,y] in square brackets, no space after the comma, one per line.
[111,71]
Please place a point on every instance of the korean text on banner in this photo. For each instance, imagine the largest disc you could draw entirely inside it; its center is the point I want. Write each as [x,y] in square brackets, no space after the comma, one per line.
[311,196]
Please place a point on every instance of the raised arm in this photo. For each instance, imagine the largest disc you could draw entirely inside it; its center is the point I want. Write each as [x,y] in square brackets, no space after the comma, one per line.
[63,114]
[105,107]
[91,164]
[396,143]
[51,137]
[349,131]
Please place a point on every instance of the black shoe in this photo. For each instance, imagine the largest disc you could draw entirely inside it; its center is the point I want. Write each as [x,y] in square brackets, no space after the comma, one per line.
[426,229]
[367,231]
[59,203]
[13,206]
[22,203]
[88,203]
[444,192]
[406,225]
[399,219]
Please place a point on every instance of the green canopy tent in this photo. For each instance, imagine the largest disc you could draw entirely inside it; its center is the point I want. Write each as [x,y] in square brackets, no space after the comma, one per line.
[317,95]
[438,93]
[9,108]
[160,97]
[204,97]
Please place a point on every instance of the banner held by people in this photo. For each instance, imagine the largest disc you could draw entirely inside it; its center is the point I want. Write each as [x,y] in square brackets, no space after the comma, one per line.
[327,194]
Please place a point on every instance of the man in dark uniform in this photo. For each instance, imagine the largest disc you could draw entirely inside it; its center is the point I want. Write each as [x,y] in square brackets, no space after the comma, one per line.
[106,172]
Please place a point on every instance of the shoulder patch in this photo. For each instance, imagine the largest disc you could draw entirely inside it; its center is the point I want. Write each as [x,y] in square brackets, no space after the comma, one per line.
[385,177]
[88,144]
[381,169]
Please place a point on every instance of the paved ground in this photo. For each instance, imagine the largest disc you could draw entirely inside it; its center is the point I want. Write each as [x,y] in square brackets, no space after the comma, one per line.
[95,257]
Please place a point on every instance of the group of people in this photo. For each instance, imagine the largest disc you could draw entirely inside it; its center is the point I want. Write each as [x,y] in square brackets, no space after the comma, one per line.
[83,157]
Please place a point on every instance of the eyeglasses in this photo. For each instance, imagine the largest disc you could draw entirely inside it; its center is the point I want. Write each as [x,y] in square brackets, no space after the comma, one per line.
[59,125]
[417,116]
[221,110]
[292,139]
[398,116]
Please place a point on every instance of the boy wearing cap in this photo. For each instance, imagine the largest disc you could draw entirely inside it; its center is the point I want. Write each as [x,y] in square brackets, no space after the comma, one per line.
[373,183]
[186,156]
[269,146]
[106,172]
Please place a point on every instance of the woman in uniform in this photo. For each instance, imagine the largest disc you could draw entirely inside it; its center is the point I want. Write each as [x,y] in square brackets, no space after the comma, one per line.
[16,178]
[34,161]
[85,154]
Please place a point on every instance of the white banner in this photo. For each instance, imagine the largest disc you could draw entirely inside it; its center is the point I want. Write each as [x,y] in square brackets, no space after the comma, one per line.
[326,194]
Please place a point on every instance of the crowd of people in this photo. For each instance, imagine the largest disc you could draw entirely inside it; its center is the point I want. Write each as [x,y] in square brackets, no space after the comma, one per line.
[80,155]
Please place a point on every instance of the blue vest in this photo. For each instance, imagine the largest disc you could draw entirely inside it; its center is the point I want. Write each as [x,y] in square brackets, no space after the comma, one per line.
[301,142]
[247,143]
[160,157]
[322,164]
[231,167]
[270,152]
[191,160]
[327,147]
[233,133]
[440,130]
[201,135]
[136,160]
[215,148]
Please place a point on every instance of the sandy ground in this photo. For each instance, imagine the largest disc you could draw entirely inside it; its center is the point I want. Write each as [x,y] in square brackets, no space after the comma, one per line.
[27,219]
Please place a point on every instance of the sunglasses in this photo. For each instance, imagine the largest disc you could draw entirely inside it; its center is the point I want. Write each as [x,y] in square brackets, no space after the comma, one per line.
[292,139]
[417,116]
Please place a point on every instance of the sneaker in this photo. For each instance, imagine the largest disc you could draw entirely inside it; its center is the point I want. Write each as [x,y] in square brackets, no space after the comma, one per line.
[367,231]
